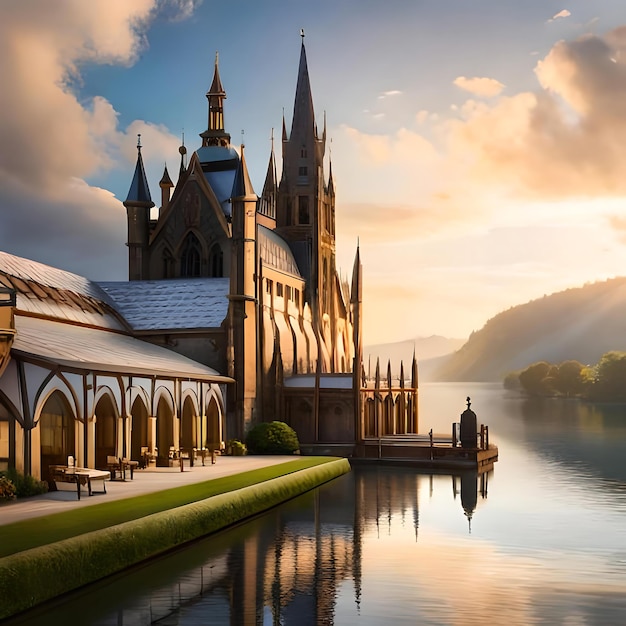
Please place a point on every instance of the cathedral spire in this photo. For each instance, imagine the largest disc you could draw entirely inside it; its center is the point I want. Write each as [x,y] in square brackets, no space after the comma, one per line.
[215,134]
[303,114]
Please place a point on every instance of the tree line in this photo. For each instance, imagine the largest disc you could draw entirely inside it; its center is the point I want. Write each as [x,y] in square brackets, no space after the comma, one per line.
[603,382]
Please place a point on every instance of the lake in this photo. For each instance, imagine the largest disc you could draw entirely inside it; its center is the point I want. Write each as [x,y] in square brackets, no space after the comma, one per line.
[539,540]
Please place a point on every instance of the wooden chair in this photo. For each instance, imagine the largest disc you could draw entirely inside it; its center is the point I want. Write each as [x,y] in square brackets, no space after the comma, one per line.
[114,465]
[131,465]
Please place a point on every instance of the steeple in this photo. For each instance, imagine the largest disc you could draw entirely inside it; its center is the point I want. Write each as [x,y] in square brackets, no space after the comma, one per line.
[138,204]
[215,134]
[139,191]
[304,208]
[303,113]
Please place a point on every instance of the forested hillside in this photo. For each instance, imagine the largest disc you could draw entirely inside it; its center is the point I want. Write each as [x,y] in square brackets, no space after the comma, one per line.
[402,351]
[581,324]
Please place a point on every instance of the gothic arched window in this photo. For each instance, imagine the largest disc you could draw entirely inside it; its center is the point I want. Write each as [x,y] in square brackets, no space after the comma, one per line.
[168,264]
[190,257]
[216,262]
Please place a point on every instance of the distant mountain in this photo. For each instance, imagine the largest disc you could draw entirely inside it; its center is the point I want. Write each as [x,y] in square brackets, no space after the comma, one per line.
[424,347]
[581,324]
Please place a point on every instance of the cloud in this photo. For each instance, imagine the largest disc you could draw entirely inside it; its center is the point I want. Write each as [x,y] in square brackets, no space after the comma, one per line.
[386,94]
[52,140]
[480,86]
[564,140]
[560,15]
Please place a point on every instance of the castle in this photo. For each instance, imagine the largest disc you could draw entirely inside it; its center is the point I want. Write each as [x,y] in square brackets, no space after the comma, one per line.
[233,313]
[291,333]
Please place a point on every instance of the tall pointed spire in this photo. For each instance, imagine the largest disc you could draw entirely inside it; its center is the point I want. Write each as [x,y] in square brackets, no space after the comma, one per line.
[139,190]
[215,135]
[267,206]
[303,114]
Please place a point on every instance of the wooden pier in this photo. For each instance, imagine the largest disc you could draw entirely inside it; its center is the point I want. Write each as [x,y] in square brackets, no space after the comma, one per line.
[432,451]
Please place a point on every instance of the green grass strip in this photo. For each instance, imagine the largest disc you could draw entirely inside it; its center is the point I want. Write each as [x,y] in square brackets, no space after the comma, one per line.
[43,530]
[34,576]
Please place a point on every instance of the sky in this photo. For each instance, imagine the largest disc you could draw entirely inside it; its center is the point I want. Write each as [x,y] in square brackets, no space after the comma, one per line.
[478,148]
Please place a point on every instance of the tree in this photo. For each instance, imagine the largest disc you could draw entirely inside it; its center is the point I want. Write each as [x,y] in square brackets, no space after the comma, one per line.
[569,380]
[533,379]
[511,381]
[609,383]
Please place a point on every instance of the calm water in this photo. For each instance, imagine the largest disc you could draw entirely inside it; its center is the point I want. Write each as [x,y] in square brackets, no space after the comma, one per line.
[540,540]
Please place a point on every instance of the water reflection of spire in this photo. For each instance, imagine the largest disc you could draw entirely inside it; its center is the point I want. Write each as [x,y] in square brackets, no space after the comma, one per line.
[469,495]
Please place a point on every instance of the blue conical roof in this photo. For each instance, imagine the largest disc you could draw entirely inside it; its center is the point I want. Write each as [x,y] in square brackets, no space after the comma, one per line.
[139,190]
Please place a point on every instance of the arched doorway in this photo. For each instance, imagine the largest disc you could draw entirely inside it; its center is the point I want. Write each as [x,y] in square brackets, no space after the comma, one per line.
[139,426]
[106,418]
[165,432]
[56,432]
[188,430]
[7,438]
[213,430]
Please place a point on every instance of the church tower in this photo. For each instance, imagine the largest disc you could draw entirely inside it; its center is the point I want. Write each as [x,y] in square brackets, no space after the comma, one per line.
[138,204]
[305,212]
[215,135]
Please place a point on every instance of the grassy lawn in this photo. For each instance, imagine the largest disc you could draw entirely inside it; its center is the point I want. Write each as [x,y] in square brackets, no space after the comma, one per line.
[41,531]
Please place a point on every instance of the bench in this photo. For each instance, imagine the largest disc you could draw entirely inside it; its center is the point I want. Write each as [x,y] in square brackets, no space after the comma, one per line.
[82,479]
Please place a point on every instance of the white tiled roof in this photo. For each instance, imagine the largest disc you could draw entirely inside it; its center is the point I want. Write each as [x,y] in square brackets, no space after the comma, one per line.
[91,349]
[49,291]
[170,304]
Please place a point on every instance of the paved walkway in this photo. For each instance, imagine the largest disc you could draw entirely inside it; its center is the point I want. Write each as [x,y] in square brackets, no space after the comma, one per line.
[145,481]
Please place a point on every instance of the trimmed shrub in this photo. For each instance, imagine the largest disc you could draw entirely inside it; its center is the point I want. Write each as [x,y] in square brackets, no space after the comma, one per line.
[235,447]
[25,485]
[272,438]
[33,576]
[7,489]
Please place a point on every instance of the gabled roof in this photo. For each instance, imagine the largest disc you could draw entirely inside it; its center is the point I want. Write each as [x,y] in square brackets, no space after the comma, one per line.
[195,169]
[172,304]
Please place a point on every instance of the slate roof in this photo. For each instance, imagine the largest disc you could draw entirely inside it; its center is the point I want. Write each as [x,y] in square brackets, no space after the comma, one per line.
[182,303]
[90,349]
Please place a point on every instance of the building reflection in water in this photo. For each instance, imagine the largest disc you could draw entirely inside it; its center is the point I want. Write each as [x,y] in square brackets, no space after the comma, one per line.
[284,567]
